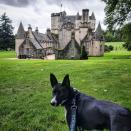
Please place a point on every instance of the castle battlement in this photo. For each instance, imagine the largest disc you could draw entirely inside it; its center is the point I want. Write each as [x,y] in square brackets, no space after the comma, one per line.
[79,21]
[55,14]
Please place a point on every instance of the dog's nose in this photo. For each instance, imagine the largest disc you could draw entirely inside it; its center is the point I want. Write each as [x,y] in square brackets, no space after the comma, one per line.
[54,101]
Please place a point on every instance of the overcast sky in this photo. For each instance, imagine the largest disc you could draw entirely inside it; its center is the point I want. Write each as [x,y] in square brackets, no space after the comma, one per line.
[38,12]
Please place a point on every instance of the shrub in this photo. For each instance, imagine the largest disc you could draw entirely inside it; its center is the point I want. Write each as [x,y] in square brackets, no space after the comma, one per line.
[84,54]
[127,45]
[108,48]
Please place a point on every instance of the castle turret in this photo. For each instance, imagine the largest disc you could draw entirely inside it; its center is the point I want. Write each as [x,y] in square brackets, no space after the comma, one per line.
[85,18]
[55,21]
[20,33]
[99,32]
[93,16]
[20,37]
[78,16]
[85,15]
[92,21]
[98,42]
[84,23]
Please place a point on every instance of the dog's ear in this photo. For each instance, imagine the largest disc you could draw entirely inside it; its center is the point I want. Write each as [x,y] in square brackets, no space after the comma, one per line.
[53,80]
[66,81]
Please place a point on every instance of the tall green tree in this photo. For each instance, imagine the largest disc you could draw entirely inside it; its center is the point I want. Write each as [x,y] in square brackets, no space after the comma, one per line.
[117,12]
[6,33]
[113,36]
[126,36]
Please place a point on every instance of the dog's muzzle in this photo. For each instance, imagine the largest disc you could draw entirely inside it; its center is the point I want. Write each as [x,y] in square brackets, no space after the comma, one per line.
[54,101]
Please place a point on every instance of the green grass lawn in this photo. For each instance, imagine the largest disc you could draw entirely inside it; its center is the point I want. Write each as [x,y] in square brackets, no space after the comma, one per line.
[25,90]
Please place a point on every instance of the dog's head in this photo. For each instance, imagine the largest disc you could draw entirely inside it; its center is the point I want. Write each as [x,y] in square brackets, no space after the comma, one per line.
[60,91]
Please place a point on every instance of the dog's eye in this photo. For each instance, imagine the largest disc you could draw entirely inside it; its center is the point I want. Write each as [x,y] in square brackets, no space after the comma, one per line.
[55,92]
[58,92]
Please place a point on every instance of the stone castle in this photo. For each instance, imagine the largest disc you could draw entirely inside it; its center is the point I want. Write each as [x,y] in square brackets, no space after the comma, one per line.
[65,40]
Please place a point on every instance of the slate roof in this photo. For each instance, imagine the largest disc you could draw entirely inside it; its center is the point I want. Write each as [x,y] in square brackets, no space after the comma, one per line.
[35,43]
[78,17]
[86,38]
[92,17]
[43,37]
[99,32]
[20,33]
[39,36]
[76,45]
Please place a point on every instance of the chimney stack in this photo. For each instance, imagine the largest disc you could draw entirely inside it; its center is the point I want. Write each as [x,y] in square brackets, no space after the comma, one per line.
[85,15]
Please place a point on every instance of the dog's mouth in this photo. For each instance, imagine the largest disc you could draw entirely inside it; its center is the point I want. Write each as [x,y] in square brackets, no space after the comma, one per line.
[55,104]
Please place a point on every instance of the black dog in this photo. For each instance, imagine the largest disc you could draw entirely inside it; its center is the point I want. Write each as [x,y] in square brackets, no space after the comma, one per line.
[91,113]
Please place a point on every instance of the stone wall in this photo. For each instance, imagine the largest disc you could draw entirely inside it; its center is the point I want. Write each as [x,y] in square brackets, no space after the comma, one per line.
[55,21]
[72,52]
[64,37]
[18,42]
[98,48]
[83,33]
[28,51]
[77,35]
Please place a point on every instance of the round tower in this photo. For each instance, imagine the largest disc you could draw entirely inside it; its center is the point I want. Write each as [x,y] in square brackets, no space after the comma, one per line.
[19,39]
[55,21]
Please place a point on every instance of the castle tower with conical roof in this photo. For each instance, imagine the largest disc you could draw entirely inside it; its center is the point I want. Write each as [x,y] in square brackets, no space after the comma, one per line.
[92,21]
[20,33]
[99,32]
[20,37]
[98,42]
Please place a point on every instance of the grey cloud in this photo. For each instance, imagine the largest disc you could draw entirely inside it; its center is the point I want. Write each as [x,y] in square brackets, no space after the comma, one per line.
[77,4]
[17,3]
[58,2]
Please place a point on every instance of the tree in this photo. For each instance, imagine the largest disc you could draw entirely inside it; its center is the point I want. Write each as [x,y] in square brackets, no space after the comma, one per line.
[84,54]
[6,33]
[126,36]
[113,36]
[108,36]
[117,12]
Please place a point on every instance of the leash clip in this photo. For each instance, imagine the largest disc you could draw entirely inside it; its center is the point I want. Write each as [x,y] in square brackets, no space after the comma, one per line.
[74,107]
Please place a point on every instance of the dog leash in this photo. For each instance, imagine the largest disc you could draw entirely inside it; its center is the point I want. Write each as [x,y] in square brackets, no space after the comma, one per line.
[73,114]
